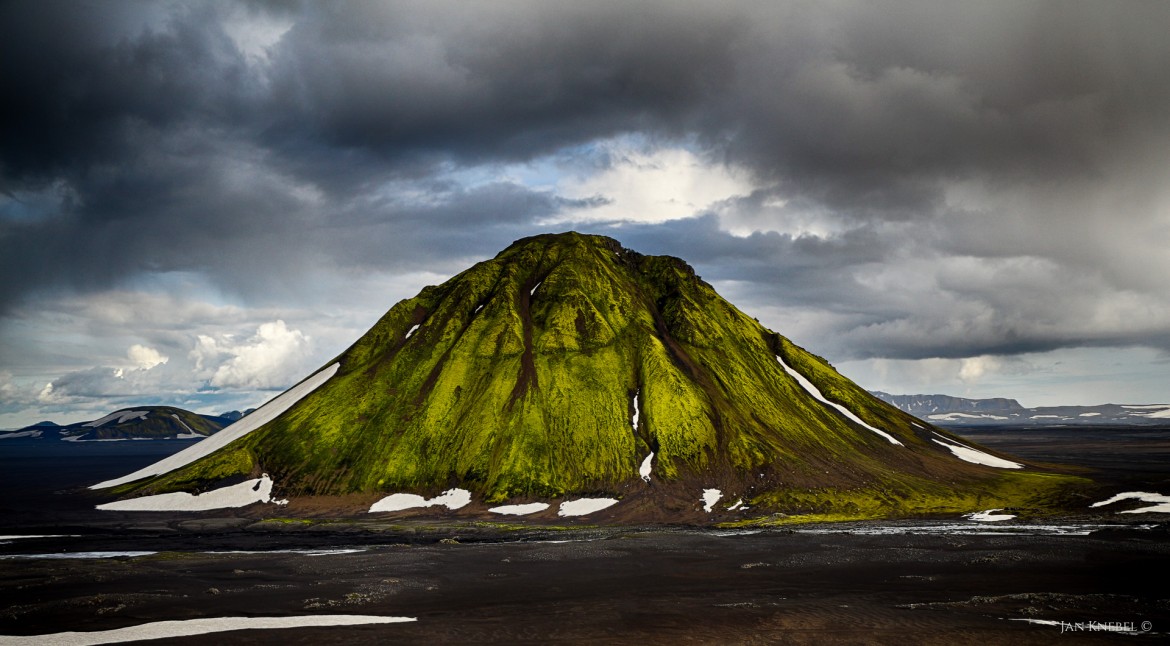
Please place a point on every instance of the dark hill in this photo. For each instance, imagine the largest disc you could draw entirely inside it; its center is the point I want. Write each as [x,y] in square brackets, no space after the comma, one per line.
[139,422]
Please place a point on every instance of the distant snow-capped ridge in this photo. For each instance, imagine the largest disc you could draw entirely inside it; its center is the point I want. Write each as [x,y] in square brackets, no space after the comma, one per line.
[960,411]
[928,404]
[135,423]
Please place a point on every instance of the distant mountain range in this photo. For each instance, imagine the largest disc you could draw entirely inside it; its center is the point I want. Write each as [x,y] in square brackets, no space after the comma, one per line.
[960,411]
[137,423]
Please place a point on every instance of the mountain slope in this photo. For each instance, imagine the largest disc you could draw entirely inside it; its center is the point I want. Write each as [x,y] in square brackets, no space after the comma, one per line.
[137,423]
[559,368]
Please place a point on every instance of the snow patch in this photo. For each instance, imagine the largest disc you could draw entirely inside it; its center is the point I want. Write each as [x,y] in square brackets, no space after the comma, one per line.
[477,309]
[399,502]
[237,495]
[1162,414]
[242,427]
[520,510]
[815,392]
[13,436]
[737,505]
[75,555]
[989,516]
[190,434]
[411,331]
[1089,415]
[963,529]
[306,552]
[950,417]
[646,467]
[710,497]
[1161,503]
[451,499]
[975,456]
[533,292]
[121,417]
[583,506]
[202,626]
[16,537]
[634,421]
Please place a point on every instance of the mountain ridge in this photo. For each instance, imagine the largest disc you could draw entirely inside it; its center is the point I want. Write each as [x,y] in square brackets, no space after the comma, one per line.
[131,423]
[960,412]
[567,364]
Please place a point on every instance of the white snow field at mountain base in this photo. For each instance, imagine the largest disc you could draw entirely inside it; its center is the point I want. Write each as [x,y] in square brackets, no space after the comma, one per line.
[520,510]
[1161,503]
[585,506]
[710,497]
[61,556]
[816,393]
[245,425]
[237,495]
[968,454]
[189,627]
[451,499]
[989,516]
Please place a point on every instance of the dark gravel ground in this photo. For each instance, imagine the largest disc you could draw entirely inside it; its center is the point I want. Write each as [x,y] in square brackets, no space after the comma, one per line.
[629,586]
[478,583]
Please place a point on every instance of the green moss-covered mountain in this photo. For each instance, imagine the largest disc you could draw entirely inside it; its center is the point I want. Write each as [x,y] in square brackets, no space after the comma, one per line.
[557,367]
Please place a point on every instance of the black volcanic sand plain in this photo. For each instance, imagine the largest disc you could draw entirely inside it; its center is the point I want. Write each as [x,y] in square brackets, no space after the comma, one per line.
[944,581]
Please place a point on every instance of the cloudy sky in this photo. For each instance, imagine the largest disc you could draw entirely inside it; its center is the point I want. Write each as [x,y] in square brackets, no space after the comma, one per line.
[200,202]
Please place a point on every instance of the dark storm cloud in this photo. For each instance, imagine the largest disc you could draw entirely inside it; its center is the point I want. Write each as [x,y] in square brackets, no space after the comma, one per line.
[152,138]
[170,150]
[872,116]
[83,79]
[503,80]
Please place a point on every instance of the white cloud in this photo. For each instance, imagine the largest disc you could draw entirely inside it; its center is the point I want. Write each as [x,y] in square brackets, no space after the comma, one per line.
[254,32]
[971,369]
[163,341]
[649,186]
[1055,378]
[145,358]
[272,358]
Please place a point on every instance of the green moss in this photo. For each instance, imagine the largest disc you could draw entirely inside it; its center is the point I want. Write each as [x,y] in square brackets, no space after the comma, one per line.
[520,527]
[1028,494]
[231,461]
[517,391]
[288,521]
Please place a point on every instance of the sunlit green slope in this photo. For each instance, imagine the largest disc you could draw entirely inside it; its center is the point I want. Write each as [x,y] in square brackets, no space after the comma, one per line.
[520,378]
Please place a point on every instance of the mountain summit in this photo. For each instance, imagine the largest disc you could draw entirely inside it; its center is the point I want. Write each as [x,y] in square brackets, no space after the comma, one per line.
[570,366]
